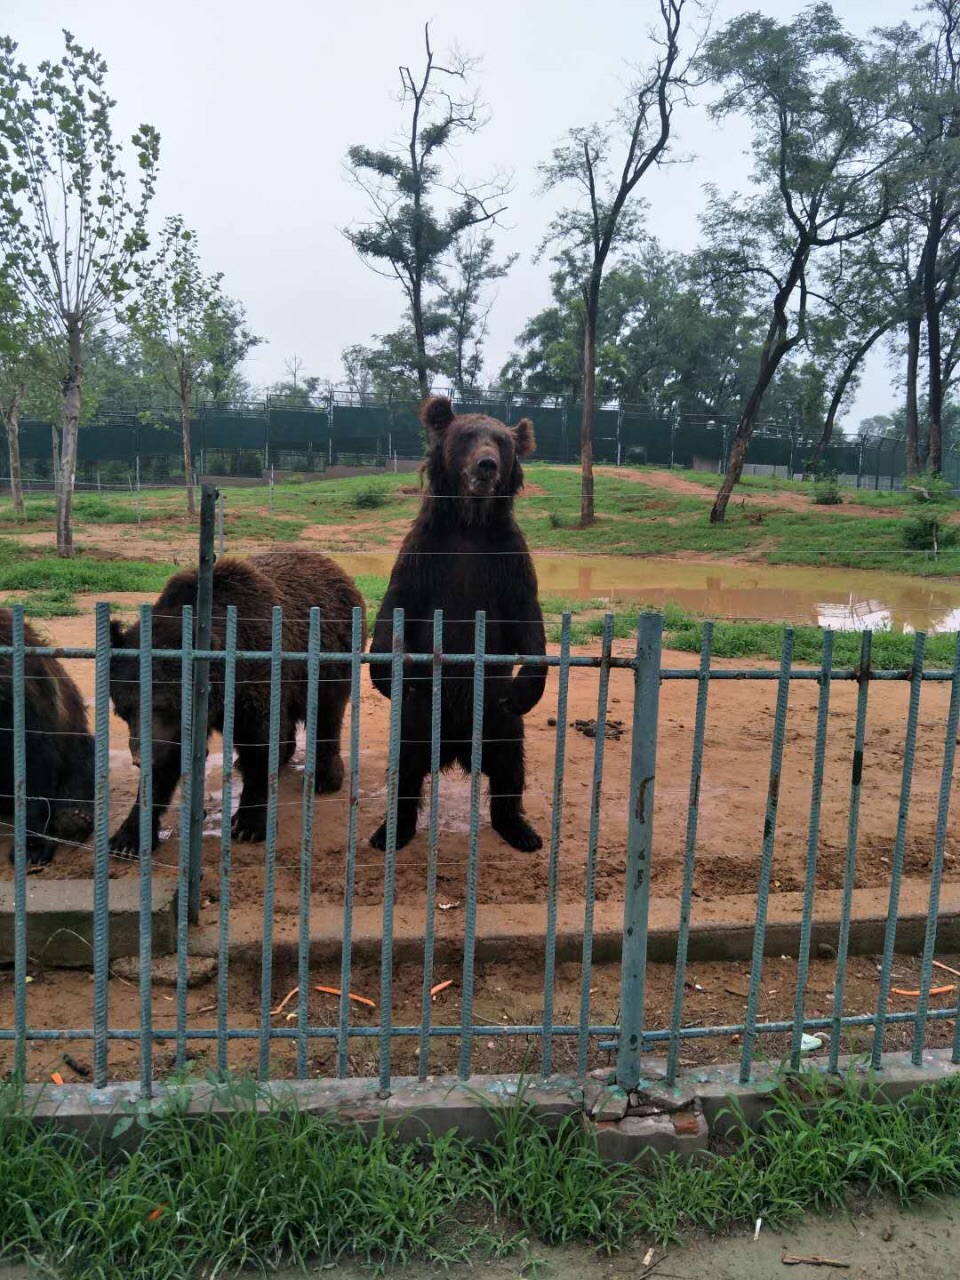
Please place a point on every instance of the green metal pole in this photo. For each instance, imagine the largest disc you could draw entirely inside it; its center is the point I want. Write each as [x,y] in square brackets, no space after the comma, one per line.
[633,968]
[201,692]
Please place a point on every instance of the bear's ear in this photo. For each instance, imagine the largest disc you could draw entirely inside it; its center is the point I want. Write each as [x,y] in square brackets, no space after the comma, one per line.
[436,414]
[523,434]
[118,636]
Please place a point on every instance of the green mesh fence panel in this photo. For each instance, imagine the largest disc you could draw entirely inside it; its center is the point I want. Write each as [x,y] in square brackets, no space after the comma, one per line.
[233,429]
[644,438]
[290,427]
[550,430]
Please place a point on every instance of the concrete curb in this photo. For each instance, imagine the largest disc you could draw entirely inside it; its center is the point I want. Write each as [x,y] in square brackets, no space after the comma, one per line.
[60,927]
[60,920]
[653,1118]
[721,929]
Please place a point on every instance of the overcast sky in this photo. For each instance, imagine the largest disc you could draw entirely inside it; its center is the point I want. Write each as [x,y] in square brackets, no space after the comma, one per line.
[256,104]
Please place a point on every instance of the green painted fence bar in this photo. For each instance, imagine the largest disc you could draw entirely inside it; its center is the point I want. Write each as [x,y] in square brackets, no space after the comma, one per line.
[643,768]
[565,1036]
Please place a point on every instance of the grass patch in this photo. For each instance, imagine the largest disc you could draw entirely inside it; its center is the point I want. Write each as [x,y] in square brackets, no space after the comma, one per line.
[57,602]
[22,569]
[634,517]
[892,650]
[284,1188]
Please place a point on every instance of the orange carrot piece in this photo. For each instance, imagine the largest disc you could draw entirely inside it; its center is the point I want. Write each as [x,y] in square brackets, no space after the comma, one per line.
[441,986]
[934,991]
[57,1078]
[157,1213]
[335,991]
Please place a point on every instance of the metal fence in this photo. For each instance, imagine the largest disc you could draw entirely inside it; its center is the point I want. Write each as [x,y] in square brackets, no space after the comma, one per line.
[245,441]
[633,1035]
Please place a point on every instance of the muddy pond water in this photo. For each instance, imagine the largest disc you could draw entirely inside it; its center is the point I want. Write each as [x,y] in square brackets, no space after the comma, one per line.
[844,599]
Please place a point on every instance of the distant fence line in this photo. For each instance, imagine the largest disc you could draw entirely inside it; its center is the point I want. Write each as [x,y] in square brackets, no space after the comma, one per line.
[247,440]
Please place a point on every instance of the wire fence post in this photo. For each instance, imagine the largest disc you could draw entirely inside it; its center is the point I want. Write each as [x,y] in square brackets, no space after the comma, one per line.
[201,696]
[139,506]
[646,706]
[221,517]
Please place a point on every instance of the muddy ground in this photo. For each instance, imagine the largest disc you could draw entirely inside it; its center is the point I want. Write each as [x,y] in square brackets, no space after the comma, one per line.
[732,801]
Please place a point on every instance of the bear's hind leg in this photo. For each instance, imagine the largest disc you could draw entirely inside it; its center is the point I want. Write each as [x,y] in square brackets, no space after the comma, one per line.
[502,762]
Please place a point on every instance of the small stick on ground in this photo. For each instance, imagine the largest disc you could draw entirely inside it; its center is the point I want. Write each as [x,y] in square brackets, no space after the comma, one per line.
[938,964]
[801,1260]
[285,1001]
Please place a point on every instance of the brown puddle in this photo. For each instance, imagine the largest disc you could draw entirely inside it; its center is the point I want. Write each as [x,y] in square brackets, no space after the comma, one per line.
[844,599]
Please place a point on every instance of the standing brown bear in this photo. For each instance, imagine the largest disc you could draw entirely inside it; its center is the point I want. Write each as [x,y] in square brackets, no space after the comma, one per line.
[464,553]
[295,580]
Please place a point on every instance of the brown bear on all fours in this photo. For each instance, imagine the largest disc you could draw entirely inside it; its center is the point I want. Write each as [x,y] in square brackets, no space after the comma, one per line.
[464,553]
[297,580]
[59,749]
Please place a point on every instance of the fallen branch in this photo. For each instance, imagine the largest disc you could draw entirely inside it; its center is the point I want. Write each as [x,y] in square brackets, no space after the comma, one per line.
[938,964]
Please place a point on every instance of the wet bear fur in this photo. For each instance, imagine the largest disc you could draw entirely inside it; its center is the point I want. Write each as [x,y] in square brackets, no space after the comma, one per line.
[297,580]
[464,553]
[59,749]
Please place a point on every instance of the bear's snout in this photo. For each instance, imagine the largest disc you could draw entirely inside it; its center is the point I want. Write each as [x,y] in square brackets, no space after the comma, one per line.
[483,472]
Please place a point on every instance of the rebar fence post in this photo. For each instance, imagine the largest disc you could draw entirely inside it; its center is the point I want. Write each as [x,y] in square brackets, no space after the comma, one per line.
[646,707]
[201,697]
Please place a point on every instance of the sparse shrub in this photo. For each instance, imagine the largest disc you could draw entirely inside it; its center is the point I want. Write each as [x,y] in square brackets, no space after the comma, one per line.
[826,491]
[931,489]
[927,531]
[369,499]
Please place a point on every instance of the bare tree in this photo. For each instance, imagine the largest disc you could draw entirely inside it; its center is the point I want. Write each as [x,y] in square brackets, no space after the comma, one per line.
[409,234]
[68,229]
[590,230]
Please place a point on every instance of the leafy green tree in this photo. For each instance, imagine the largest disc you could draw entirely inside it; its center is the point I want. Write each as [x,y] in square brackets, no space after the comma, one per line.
[607,164]
[384,371]
[816,115]
[356,372]
[69,230]
[230,341]
[462,288]
[924,65]
[418,213]
[176,319]
[922,69]
[19,354]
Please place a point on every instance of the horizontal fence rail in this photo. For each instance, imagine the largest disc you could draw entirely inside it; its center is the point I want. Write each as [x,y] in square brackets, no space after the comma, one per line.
[633,1035]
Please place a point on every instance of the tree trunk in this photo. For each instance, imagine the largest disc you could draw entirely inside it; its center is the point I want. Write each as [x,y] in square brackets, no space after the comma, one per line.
[12,423]
[748,420]
[843,383]
[934,366]
[187,456]
[68,443]
[587,515]
[912,412]
[420,340]
[934,396]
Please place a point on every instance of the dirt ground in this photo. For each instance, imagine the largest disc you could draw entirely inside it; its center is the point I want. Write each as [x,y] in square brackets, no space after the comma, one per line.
[732,801]
[732,795]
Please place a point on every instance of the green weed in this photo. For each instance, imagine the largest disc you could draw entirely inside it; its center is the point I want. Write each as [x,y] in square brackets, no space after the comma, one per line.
[206,1197]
